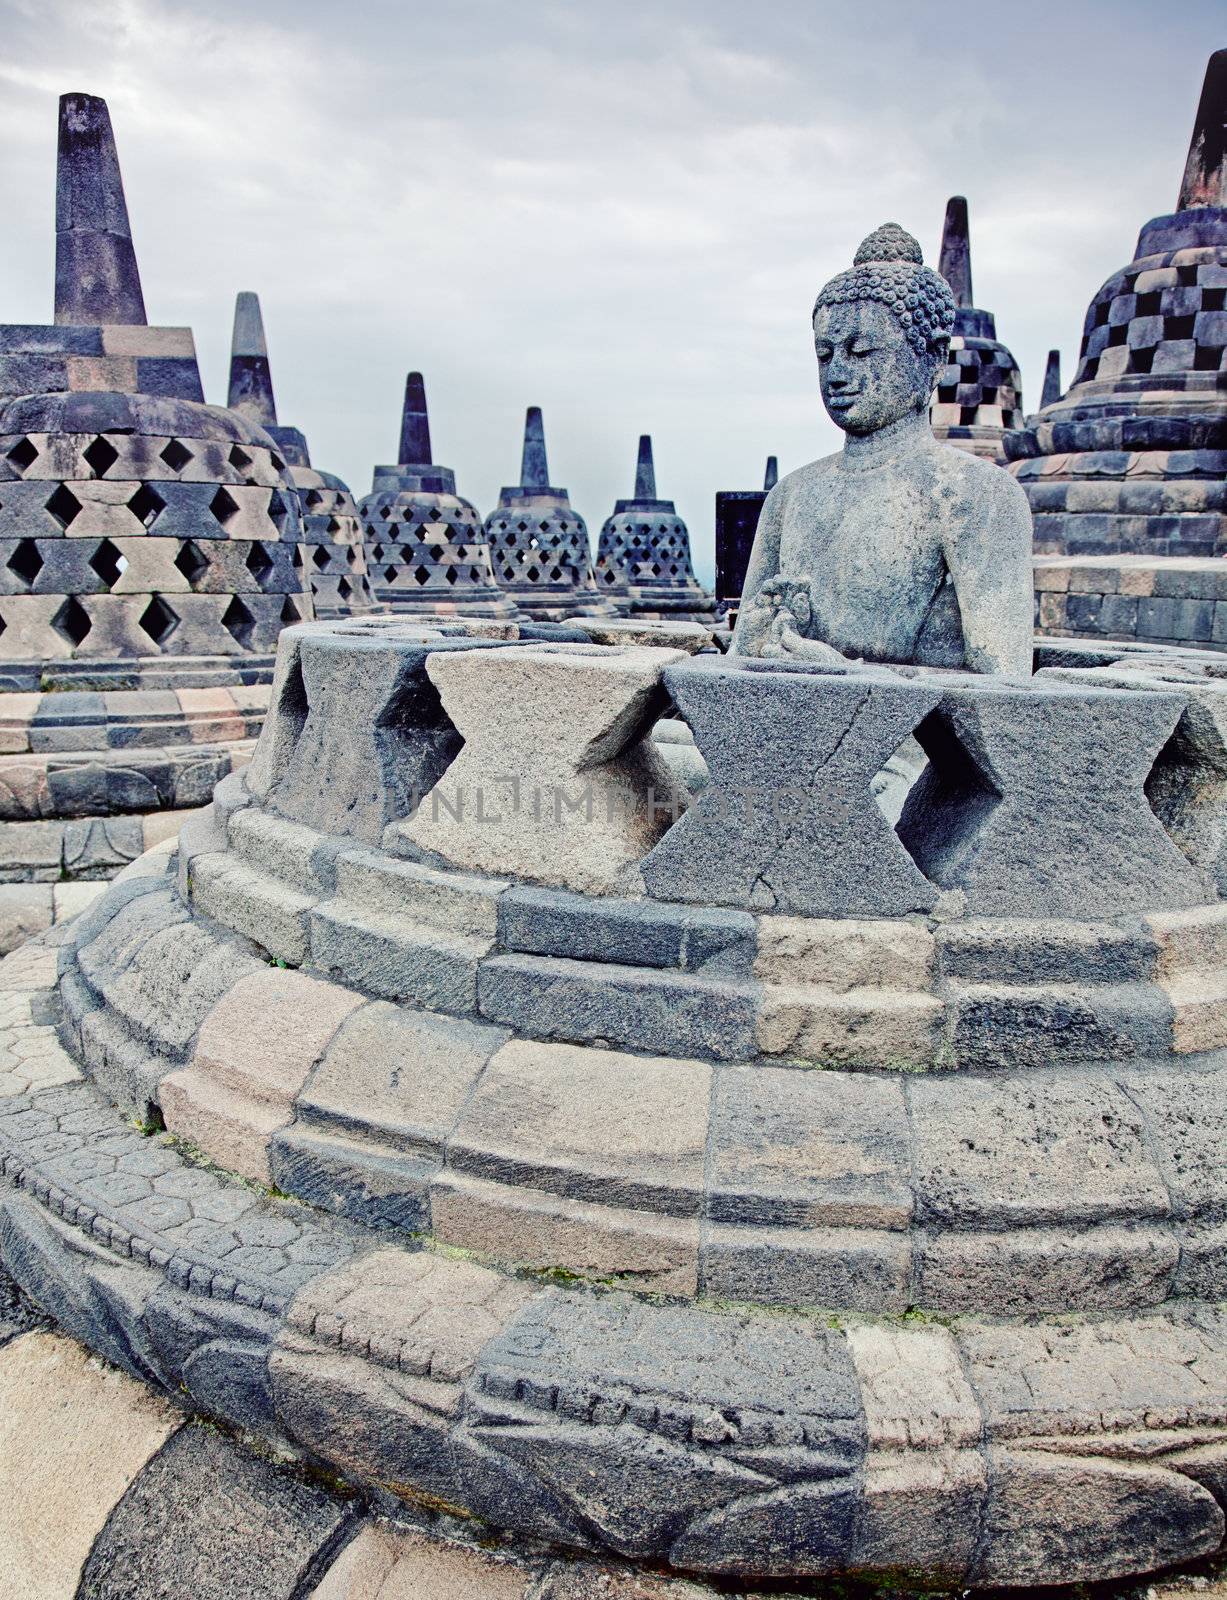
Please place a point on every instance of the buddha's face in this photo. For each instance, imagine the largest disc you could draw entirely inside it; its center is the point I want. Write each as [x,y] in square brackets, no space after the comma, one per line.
[870,375]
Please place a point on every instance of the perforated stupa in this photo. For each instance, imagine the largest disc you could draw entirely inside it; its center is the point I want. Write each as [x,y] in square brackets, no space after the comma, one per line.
[332,550]
[149,558]
[539,543]
[643,559]
[426,548]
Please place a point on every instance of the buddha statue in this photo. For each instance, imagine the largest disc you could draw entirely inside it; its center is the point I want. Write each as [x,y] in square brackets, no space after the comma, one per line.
[897,549]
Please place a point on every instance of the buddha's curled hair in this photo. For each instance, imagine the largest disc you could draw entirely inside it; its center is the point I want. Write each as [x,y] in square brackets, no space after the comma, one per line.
[889,267]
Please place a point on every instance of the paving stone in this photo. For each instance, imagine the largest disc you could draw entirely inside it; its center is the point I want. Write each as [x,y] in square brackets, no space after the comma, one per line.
[383,1563]
[25,910]
[64,1414]
[209,1518]
[763,834]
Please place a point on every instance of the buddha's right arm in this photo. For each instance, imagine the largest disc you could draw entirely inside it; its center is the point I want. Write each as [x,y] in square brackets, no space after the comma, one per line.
[764,564]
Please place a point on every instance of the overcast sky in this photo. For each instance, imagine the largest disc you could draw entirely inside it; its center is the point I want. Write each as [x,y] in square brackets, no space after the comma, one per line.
[618,211]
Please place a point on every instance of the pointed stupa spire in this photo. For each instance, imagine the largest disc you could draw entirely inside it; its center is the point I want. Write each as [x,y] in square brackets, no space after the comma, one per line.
[534,469]
[96,276]
[772,475]
[415,424]
[1052,380]
[645,470]
[1205,172]
[251,380]
[954,264]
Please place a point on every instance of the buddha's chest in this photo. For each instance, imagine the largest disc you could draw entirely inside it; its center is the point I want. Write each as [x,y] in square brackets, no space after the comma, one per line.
[871,532]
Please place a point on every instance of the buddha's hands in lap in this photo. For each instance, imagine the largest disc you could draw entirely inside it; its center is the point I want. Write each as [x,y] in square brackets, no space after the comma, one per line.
[775,621]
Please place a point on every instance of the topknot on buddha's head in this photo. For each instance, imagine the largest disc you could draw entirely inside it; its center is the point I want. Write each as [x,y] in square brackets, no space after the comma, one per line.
[889,268]
[890,242]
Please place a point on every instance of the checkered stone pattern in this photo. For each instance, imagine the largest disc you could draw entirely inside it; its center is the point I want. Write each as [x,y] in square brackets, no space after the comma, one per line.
[332,543]
[1132,461]
[129,357]
[643,560]
[1163,319]
[168,529]
[978,394]
[426,552]
[541,556]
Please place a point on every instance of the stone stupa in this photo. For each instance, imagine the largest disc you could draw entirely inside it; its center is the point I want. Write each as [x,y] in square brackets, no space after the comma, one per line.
[539,543]
[148,560]
[979,389]
[643,559]
[331,529]
[1127,471]
[426,549]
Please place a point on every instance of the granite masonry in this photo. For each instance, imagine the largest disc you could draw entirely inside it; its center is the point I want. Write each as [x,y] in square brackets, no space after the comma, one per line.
[1127,471]
[643,559]
[979,390]
[331,535]
[427,553]
[539,543]
[149,557]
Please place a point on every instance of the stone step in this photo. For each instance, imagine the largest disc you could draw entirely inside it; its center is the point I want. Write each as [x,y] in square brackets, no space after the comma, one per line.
[390,956]
[247,901]
[233,1128]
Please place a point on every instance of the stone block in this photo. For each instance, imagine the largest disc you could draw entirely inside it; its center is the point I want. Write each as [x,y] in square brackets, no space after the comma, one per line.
[398,1075]
[627,932]
[1032,1150]
[383,1563]
[925,1477]
[548,1232]
[859,1027]
[208,1518]
[667,1012]
[788,822]
[1029,952]
[600,794]
[65,1415]
[1186,1117]
[455,901]
[844,953]
[846,1269]
[795,1149]
[1042,1025]
[589,1124]
[1059,1270]
[1033,803]
[364,1179]
[296,856]
[252,1057]
[396,959]
[266,911]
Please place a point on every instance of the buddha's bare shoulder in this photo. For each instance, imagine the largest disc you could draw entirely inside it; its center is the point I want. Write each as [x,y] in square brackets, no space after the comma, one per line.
[973,476]
[802,478]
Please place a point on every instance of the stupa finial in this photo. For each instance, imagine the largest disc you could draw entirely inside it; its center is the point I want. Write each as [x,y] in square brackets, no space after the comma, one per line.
[645,470]
[772,475]
[1205,171]
[96,276]
[534,469]
[415,424]
[1052,380]
[251,379]
[954,263]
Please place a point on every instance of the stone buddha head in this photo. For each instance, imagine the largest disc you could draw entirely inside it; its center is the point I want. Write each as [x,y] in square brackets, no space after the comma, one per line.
[881,331]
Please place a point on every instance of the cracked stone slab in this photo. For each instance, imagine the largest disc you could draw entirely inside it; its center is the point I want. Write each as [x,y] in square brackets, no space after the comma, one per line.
[788,821]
